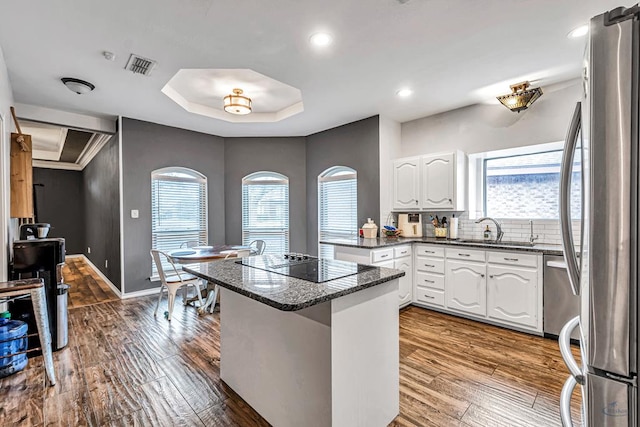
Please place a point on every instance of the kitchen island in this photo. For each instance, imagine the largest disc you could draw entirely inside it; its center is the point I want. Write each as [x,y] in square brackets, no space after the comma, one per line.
[307,353]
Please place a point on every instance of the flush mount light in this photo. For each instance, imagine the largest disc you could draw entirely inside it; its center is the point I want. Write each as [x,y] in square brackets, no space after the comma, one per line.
[321,39]
[78,86]
[403,93]
[236,103]
[578,32]
[521,97]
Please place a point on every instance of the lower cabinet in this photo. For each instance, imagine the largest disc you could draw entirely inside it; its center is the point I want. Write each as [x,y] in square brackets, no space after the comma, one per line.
[512,295]
[405,291]
[466,287]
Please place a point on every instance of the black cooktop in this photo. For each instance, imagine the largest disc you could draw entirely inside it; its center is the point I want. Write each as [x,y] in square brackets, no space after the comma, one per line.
[304,267]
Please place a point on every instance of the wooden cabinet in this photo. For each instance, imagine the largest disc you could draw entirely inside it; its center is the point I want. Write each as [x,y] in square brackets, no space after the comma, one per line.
[512,295]
[406,183]
[430,182]
[466,287]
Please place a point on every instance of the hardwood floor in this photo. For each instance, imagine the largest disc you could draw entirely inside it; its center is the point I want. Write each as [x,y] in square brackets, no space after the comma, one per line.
[86,286]
[124,367]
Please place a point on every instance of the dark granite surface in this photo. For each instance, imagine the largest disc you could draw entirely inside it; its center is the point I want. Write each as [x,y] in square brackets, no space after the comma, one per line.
[283,292]
[383,243]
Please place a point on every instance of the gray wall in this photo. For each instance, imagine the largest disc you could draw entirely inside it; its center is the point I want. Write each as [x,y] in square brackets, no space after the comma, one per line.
[102,210]
[355,145]
[243,156]
[145,148]
[61,203]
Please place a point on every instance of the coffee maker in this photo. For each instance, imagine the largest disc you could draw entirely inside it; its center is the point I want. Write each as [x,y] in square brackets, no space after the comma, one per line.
[34,231]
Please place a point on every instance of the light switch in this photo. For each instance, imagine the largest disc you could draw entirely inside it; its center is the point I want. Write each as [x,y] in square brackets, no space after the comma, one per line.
[135,213]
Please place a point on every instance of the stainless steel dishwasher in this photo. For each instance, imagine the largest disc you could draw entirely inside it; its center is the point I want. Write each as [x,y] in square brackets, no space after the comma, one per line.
[560,305]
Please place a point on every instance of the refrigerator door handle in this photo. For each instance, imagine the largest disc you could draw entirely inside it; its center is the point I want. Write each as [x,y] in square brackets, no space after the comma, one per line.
[565,401]
[564,342]
[566,169]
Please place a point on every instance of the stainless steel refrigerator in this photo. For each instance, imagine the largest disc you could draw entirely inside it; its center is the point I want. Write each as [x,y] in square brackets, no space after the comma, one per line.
[605,275]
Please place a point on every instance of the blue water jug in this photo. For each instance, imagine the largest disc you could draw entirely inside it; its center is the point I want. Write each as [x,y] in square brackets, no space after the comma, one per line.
[13,339]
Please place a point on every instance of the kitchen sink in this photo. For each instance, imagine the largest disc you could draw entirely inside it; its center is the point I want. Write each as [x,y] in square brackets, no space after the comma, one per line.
[494,243]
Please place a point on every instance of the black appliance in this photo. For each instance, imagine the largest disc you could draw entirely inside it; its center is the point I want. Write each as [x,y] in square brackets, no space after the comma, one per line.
[304,267]
[41,258]
[34,231]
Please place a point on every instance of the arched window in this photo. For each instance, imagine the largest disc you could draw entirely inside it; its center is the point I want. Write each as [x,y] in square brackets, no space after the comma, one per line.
[178,208]
[265,210]
[337,206]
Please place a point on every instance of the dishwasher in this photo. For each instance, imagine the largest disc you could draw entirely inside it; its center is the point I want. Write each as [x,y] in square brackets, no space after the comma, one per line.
[560,304]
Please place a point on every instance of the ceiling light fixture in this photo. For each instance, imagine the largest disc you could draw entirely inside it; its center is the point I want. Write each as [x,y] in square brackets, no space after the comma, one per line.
[403,93]
[578,32]
[236,103]
[321,39]
[520,97]
[78,86]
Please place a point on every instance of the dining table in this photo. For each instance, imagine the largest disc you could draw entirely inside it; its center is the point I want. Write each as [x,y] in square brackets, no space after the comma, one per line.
[202,254]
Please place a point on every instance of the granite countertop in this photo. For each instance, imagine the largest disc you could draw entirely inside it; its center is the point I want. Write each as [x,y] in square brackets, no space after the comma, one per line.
[283,292]
[381,242]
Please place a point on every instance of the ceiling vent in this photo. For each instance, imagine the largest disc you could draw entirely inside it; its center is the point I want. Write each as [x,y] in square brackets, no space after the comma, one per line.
[139,65]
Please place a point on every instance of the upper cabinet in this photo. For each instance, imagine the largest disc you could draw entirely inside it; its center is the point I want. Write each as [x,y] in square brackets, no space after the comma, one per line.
[431,182]
[406,183]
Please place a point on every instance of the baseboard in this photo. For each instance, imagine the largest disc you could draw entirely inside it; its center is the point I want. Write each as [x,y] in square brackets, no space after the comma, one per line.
[99,273]
[142,293]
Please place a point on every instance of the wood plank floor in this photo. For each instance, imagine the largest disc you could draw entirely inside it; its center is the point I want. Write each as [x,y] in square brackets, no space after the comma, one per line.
[87,287]
[124,367]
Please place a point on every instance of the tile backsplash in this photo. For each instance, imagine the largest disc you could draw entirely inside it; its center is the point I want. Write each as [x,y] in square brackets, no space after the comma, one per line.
[515,230]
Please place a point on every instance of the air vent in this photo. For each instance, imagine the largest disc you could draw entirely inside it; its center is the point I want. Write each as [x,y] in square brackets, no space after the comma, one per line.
[139,65]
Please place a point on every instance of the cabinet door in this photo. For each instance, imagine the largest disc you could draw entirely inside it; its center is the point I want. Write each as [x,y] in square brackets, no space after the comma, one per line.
[466,287]
[406,183]
[438,181]
[405,292]
[512,295]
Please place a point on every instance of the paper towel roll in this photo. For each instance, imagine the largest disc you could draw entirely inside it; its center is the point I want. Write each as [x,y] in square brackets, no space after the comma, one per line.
[453,228]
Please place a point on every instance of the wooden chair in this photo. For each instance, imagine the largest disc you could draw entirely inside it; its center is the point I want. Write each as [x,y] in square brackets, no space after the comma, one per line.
[258,247]
[35,289]
[173,281]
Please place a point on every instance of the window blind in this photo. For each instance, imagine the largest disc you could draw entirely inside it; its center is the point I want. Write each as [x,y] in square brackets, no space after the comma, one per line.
[265,211]
[337,206]
[178,209]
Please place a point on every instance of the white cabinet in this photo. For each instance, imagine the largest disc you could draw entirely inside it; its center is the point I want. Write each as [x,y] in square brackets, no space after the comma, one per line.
[466,287]
[406,183]
[430,182]
[398,257]
[512,295]
[428,277]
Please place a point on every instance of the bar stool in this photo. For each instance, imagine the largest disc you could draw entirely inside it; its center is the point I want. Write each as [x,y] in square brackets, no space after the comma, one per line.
[35,289]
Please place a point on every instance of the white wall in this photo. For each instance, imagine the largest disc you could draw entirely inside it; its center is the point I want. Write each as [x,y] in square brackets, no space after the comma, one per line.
[486,127]
[6,125]
[390,141]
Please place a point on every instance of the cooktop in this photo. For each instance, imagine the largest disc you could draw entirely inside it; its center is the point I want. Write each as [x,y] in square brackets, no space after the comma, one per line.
[304,267]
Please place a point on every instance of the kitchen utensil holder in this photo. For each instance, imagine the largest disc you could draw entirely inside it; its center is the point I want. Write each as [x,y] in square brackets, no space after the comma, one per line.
[440,232]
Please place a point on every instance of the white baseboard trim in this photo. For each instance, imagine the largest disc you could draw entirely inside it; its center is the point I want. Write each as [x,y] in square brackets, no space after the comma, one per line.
[99,273]
[142,293]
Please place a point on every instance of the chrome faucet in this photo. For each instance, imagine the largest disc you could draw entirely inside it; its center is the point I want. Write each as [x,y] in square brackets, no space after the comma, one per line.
[499,232]
[531,238]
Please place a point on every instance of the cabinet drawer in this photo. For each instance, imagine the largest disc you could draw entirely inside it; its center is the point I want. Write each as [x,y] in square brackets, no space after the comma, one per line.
[382,255]
[430,280]
[465,254]
[401,251]
[430,251]
[430,265]
[513,258]
[430,296]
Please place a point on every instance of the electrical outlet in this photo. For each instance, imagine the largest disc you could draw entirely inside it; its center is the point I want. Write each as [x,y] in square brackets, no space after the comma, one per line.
[135,213]
[88,249]
[106,263]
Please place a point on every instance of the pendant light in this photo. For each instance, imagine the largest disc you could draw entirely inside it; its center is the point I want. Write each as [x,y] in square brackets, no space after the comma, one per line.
[521,97]
[236,103]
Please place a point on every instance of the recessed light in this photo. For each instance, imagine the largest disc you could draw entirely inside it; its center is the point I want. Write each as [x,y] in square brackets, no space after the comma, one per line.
[321,39]
[403,93]
[578,32]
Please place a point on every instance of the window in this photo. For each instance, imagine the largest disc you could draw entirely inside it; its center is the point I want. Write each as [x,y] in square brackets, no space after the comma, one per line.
[178,208]
[337,206]
[265,211]
[525,183]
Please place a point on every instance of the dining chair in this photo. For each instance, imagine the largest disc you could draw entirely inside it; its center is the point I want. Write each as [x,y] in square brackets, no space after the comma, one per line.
[173,281]
[258,247]
[213,297]
[191,244]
